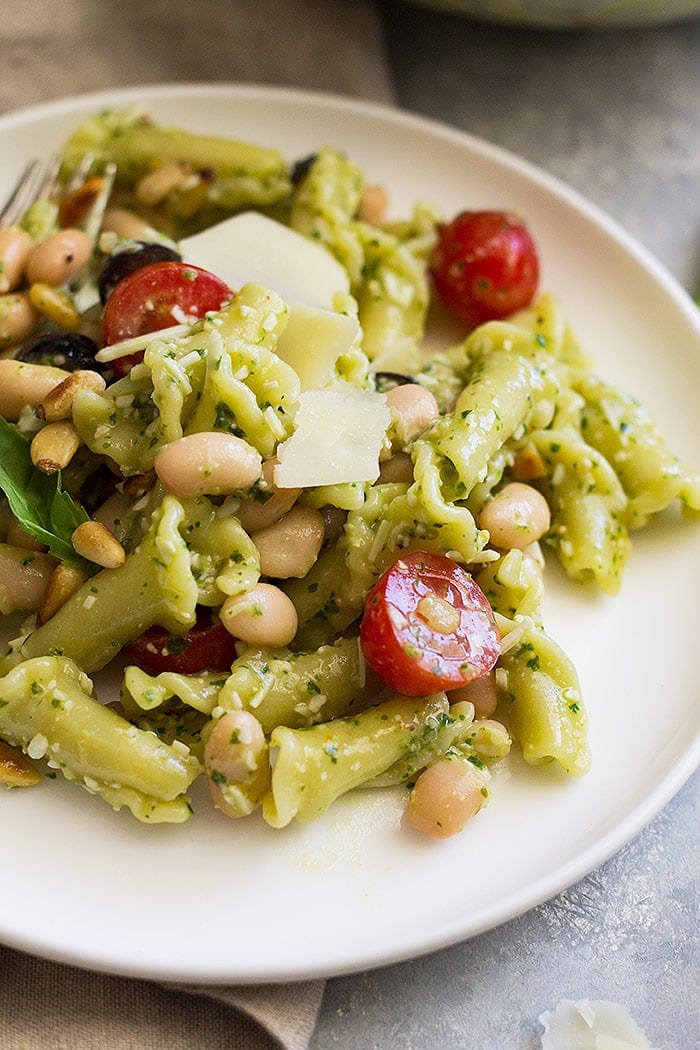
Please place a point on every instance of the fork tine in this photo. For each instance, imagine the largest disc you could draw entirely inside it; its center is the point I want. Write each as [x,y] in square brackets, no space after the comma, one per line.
[23,193]
[37,182]
[81,172]
[48,183]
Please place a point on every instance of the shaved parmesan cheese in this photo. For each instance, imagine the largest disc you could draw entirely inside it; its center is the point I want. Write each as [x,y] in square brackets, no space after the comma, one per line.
[313,341]
[588,1025]
[339,433]
[251,247]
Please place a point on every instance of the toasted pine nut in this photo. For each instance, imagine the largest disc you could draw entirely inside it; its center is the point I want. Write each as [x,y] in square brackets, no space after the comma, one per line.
[23,384]
[398,467]
[264,616]
[158,184]
[236,760]
[15,246]
[413,409]
[18,318]
[56,305]
[210,463]
[515,517]
[528,464]
[60,258]
[58,403]
[290,546]
[127,225]
[94,541]
[269,504]
[373,205]
[24,576]
[63,583]
[54,446]
[445,796]
[15,769]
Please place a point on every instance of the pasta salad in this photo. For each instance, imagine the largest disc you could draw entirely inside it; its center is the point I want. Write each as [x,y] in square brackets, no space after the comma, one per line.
[232,468]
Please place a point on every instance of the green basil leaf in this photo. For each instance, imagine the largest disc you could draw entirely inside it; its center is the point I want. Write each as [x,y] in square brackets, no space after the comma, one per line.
[37,500]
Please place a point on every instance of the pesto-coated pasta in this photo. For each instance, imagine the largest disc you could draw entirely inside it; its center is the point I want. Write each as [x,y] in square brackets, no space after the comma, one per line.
[301,364]
[47,709]
[154,585]
[316,765]
[300,689]
[544,706]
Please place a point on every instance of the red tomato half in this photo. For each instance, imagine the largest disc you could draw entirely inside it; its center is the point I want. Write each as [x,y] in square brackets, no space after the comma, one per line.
[484,266]
[206,647]
[144,302]
[428,627]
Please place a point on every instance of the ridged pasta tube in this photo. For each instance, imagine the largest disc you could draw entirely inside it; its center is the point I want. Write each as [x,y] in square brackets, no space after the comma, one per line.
[496,402]
[154,585]
[300,689]
[47,709]
[247,389]
[223,375]
[243,174]
[387,272]
[618,427]
[452,728]
[315,766]
[589,509]
[544,706]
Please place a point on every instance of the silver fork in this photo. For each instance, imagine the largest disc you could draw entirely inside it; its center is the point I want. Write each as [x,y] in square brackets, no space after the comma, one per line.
[39,181]
[36,181]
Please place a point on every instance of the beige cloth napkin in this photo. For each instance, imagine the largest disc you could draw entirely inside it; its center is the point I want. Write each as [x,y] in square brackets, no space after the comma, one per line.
[85,45]
[44,1006]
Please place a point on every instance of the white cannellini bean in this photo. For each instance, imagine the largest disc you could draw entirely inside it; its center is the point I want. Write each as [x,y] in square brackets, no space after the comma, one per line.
[18,318]
[210,463]
[398,468]
[127,225]
[517,516]
[24,576]
[482,693]
[373,205]
[23,384]
[445,796]
[269,505]
[15,246]
[59,259]
[413,409]
[236,760]
[154,187]
[265,616]
[291,546]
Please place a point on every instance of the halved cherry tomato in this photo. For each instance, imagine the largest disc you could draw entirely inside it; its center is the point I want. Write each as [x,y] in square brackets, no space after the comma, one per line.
[484,266]
[206,647]
[427,626]
[144,302]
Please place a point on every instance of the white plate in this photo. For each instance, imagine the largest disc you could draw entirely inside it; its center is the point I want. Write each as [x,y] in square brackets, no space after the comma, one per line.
[220,901]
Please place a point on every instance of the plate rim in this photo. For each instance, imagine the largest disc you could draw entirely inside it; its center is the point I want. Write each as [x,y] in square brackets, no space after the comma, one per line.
[642,813]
